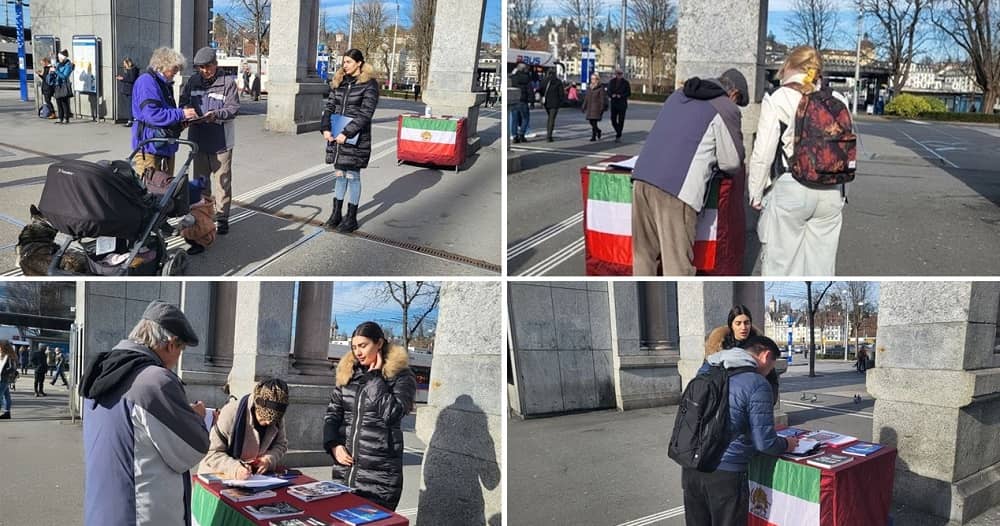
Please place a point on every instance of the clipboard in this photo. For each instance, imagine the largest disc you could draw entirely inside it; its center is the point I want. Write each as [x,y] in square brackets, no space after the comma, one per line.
[337,123]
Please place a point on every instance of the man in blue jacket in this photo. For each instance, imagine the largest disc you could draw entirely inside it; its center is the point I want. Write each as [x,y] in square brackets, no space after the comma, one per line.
[722,498]
[156,113]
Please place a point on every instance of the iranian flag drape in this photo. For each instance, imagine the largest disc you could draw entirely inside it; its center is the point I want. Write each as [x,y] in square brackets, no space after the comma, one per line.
[783,493]
[608,220]
[431,140]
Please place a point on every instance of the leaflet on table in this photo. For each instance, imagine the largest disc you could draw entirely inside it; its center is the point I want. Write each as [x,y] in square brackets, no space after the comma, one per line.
[805,447]
[257,481]
[240,494]
[830,438]
[304,521]
[862,449]
[273,510]
[829,461]
[791,432]
[359,515]
[318,490]
[211,478]
[627,164]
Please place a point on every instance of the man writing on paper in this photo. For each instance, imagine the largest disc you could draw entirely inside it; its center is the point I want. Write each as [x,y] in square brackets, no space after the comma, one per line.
[140,435]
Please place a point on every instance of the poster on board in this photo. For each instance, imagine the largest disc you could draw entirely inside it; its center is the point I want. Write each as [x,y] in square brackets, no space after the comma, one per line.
[86,64]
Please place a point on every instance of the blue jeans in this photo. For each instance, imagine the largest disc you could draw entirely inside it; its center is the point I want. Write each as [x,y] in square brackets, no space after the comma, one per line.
[345,181]
[519,117]
[5,396]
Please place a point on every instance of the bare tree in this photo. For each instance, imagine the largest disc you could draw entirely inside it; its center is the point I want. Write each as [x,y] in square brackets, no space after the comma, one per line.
[815,299]
[653,24]
[973,25]
[258,13]
[582,13]
[370,21]
[813,22]
[859,302]
[522,12]
[899,21]
[421,296]
[422,18]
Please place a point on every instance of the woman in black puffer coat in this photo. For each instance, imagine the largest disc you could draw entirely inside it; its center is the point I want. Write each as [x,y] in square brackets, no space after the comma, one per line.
[354,94]
[375,390]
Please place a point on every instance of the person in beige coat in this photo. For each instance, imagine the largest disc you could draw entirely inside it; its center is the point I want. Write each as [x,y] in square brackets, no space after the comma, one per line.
[262,443]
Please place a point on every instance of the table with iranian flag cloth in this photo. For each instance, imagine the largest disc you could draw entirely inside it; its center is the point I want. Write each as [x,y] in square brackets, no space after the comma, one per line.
[431,140]
[607,218]
[209,508]
[793,493]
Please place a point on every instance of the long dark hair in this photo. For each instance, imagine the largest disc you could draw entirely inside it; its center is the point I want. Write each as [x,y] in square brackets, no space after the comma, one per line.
[356,55]
[372,331]
[730,340]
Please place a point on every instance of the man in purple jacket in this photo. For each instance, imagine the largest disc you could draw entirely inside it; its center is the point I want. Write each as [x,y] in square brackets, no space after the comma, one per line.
[156,113]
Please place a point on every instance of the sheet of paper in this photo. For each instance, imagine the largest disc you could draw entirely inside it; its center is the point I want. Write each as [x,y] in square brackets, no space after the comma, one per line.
[804,445]
[104,245]
[627,164]
[255,481]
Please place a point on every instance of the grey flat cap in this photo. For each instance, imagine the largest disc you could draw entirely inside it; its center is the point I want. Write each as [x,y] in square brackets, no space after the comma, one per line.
[740,82]
[172,319]
[205,55]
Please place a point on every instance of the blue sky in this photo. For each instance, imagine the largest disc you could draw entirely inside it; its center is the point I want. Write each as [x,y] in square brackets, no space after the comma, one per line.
[795,291]
[355,302]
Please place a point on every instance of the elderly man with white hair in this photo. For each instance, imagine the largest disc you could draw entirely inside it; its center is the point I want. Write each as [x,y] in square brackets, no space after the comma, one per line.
[140,435]
[155,111]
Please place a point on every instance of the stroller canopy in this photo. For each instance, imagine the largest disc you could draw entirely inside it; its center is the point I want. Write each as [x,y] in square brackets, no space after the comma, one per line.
[85,199]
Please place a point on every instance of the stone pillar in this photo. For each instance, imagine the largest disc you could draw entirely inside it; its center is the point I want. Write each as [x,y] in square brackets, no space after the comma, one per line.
[263,334]
[458,29]
[184,40]
[294,89]
[937,390]
[312,329]
[203,380]
[461,423]
[645,373]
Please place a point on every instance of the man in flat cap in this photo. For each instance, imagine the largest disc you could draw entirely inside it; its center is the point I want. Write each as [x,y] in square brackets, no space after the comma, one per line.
[696,137]
[216,98]
[140,434]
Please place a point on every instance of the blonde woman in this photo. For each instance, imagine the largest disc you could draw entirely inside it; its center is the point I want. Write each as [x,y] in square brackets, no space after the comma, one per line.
[799,227]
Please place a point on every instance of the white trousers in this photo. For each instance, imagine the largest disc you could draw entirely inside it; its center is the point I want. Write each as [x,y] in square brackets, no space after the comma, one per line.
[799,229]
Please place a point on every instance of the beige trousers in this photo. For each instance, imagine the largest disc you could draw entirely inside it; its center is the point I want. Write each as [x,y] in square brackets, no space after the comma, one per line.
[663,230]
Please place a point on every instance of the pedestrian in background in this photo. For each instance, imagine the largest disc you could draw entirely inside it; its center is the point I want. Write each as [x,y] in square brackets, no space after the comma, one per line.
[573,95]
[156,112]
[354,94]
[126,81]
[47,82]
[216,99]
[619,90]
[799,227]
[8,374]
[50,359]
[594,104]
[520,115]
[41,367]
[25,359]
[375,389]
[553,95]
[60,372]
[63,89]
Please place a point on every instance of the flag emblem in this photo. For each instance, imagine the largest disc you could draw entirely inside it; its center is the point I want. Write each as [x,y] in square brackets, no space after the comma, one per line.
[426,135]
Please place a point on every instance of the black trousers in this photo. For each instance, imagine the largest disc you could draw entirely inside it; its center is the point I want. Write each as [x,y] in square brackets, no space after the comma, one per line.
[618,118]
[63,104]
[47,97]
[40,379]
[721,498]
[551,125]
[594,130]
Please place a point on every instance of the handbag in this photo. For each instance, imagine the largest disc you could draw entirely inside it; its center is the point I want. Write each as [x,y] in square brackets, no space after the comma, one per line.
[63,91]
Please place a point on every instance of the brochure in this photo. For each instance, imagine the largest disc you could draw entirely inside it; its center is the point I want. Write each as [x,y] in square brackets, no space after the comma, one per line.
[257,482]
[805,447]
[240,494]
[273,510]
[318,490]
[627,164]
[360,515]
[304,521]
[791,432]
[829,461]
[211,478]
[830,438]
[862,449]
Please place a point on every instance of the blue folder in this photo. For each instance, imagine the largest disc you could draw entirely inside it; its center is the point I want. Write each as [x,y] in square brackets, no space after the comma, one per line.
[337,124]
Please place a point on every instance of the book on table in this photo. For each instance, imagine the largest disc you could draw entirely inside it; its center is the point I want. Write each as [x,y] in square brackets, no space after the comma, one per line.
[257,482]
[242,494]
[862,449]
[805,448]
[211,478]
[830,438]
[318,490]
[791,432]
[273,510]
[829,461]
[301,521]
[359,515]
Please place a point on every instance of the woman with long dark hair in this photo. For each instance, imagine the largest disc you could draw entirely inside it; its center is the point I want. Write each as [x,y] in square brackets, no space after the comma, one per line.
[64,86]
[739,327]
[374,390]
[126,80]
[353,94]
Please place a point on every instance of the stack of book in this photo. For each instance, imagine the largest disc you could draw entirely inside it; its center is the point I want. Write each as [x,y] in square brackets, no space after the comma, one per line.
[318,490]
[862,449]
[273,510]
[241,494]
[359,515]
[304,521]
[829,438]
[829,461]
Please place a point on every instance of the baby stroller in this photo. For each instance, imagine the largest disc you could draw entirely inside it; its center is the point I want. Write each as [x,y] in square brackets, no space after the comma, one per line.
[126,213]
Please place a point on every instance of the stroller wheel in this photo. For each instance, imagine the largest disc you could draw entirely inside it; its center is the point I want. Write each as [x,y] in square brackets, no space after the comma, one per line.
[176,264]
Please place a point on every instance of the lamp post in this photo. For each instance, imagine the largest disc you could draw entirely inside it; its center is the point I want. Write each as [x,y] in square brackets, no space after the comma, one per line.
[350,30]
[847,326]
[392,60]
[857,68]
[19,6]
[857,333]
[624,25]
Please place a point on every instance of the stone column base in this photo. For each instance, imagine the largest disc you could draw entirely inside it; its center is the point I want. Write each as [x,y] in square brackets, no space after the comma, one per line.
[458,104]
[313,368]
[295,107]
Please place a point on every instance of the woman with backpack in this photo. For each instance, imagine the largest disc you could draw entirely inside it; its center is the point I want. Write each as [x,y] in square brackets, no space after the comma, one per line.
[354,95]
[374,390]
[63,89]
[800,222]
[249,435]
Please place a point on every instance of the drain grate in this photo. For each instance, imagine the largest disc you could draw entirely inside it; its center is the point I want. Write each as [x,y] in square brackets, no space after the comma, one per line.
[412,247]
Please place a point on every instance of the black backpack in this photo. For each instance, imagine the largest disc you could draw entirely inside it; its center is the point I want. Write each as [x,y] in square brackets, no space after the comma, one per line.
[701,429]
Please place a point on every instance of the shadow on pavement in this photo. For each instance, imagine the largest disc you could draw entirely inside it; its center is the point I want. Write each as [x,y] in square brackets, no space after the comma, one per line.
[822,380]
[39,160]
[400,190]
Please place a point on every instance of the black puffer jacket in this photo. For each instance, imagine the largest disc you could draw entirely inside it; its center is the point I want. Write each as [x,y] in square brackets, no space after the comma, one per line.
[378,401]
[361,94]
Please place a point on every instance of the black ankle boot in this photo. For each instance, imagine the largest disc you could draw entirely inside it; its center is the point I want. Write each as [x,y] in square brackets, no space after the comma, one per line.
[5,415]
[350,223]
[335,217]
